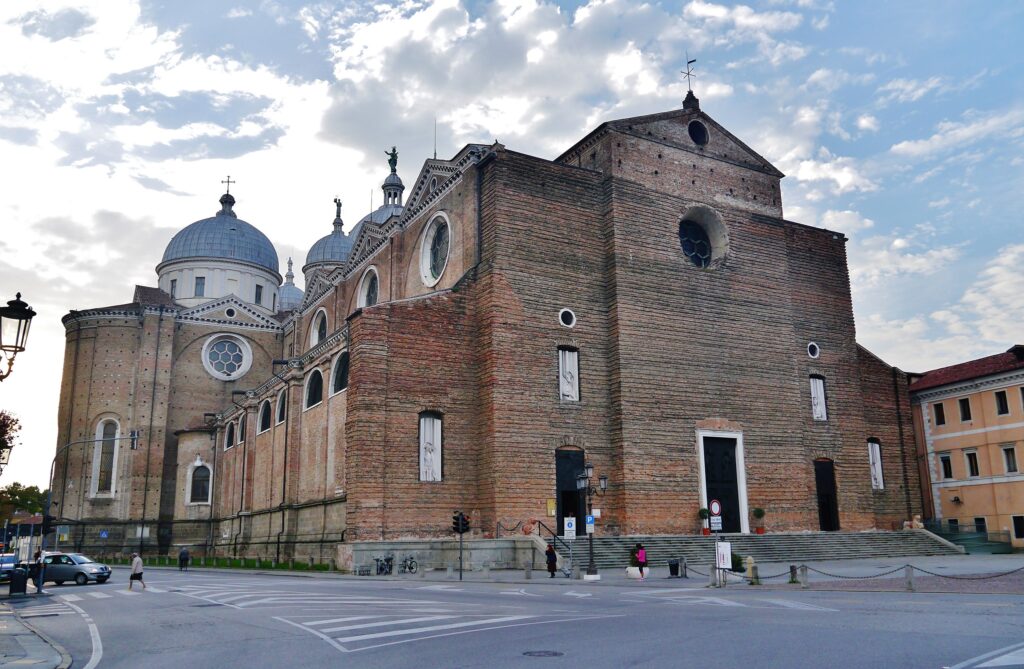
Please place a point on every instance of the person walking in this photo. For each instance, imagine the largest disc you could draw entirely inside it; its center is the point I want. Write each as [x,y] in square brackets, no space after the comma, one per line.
[136,572]
[641,557]
[552,559]
[183,558]
[35,570]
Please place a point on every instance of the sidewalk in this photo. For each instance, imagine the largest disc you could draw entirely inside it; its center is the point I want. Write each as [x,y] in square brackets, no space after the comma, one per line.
[21,646]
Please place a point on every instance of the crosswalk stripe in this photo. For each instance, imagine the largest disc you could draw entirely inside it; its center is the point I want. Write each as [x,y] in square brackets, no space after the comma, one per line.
[152,589]
[385,623]
[127,592]
[799,606]
[339,620]
[99,595]
[71,598]
[430,628]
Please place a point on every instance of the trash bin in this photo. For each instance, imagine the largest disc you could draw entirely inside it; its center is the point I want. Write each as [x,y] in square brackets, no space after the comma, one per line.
[673,567]
[19,581]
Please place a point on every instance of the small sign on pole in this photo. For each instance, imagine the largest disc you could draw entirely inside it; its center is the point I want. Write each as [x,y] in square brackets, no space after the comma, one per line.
[723,555]
[569,528]
[716,523]
[590,524]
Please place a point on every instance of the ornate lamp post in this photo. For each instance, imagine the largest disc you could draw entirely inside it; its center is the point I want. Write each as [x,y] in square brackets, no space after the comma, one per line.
[584,486]
[15,320]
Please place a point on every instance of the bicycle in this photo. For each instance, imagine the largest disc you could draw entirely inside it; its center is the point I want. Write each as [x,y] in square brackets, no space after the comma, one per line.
[408,565]
[385,565]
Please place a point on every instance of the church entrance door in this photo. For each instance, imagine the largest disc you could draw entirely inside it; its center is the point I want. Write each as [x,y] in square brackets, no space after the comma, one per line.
[721,481]
[828,502]
[570,502]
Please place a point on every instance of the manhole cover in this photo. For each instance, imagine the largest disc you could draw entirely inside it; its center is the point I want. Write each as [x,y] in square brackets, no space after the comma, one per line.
[543,653]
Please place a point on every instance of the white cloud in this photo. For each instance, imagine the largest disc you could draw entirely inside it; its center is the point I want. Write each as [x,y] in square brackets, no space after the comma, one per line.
[951,135]
[868,123]
[908,90]
[883,257]
[845,221]
[941,203]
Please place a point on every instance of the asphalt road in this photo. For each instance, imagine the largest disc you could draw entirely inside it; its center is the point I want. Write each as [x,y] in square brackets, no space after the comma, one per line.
[203,619]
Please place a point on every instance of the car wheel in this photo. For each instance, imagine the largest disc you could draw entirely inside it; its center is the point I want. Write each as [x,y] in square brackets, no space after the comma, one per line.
[58,582]
[81,579]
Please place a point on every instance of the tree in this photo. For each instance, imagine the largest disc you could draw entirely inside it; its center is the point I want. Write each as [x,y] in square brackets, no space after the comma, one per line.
[9,428]
[23,498]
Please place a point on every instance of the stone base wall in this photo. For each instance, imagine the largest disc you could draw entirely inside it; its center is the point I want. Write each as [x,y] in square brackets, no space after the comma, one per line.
[510,553]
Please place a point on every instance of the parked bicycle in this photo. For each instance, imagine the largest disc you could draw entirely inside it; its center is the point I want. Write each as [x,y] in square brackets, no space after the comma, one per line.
[385,564]
[408,565]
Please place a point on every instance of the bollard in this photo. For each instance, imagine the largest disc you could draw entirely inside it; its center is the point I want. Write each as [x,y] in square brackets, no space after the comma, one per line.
[451,571]
[682,565]
[792,574]
[423,571]
[310,561]
[713,576]
[331,566]
[528,570]
[749,564]
[754,580]
[803,577]
[576,572]
[909,574]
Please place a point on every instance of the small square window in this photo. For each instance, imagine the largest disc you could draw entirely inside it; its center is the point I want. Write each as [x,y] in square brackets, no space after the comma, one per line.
[1010,459]
[954,525]
[980,525]
[972,463]
[1002,404]
[965,409]
[940,413]
[947,466]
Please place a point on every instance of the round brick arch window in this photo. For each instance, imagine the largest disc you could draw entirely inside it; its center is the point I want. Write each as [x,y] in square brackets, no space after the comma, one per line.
[695,242]
[227,357]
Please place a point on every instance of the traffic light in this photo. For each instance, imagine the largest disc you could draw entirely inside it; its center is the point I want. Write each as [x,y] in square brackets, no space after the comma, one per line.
[134,434]
[460,523]
[48,522]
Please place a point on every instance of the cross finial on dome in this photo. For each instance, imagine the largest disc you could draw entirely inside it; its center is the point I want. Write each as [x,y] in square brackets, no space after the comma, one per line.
[228,181]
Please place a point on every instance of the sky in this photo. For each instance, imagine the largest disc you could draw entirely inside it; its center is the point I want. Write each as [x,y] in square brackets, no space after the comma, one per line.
[900,124]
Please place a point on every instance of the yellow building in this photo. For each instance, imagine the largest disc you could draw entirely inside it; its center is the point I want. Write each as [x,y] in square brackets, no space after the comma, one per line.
[969,429]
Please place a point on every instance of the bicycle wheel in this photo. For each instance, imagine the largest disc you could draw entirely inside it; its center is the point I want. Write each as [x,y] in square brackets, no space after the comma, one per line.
[412,566]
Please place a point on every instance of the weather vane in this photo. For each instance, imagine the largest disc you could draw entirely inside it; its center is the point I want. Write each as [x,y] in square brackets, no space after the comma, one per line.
[228,181]
[688,72]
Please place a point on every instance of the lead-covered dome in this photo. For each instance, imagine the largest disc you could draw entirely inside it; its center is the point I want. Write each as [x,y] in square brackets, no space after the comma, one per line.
[332,249]
[223,236]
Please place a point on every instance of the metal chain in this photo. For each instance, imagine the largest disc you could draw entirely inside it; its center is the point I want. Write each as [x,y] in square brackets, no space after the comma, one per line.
[858,578]
[969,578]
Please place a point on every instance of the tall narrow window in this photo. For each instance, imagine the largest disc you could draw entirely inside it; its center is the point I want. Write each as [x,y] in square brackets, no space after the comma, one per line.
[940,413]
[947,466]
[818,405]
[229,436]
[318,332]
[568,374]
[200,492]
[430,446]
[972,463]
[965,409]
[875,459]
[1018,527]
[259,294]
[200,286]
[981,525]
[265,416]
[241,429]
[1002,404]
[314,389]
[104,457]
[174,287]
[282,409]
[339,381]
[1010,459]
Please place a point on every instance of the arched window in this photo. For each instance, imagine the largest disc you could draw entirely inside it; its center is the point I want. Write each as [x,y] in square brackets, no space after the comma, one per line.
[104,457]
[819,407]
[369,288]
[314,389]
[265,416]
[200,489]
[241,429]
[875,460]
[318,332]
[568,374]
[229,436]
[339,380]
[282,407]
[430,446]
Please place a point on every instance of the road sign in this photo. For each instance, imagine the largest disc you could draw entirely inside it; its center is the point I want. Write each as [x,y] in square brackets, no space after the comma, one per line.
[63,532]
[715,507]
[723,555]
[103,534]
[569,525]
[716,523]
[590,524]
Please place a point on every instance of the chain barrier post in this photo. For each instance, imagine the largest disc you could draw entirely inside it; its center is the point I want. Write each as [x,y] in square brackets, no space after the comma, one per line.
[754,580]
[803,576]
[683,565]
[792,574]
[909,573]
[713,576]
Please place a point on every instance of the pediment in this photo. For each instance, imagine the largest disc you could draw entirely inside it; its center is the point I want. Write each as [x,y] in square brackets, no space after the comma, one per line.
[216,311]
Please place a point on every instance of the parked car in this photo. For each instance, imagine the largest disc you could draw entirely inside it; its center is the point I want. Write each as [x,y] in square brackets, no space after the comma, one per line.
[7,563]
[75,567]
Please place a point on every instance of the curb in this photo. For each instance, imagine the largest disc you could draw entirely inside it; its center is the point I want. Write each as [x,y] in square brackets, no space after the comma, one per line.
[35,654]
[65,657]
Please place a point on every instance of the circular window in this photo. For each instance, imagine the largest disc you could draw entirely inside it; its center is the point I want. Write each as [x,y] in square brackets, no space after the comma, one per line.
[434,254]
[813,350]
[230,313]
[227,357]
[698,132]
[695,242]
[567,318]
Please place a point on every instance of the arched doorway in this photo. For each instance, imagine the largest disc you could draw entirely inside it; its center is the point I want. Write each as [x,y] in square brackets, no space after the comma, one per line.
[828,501]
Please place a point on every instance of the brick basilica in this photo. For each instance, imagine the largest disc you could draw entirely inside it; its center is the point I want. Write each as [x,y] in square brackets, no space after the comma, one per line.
[639,303]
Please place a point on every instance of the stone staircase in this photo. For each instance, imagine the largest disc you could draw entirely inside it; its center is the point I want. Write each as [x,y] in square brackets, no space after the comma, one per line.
[782,547]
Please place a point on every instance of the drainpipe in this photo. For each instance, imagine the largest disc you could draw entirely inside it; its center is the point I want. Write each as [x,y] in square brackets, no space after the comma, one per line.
[149,437]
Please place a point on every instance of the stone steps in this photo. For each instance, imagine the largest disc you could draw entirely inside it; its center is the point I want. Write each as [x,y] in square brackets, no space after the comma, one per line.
[779,547]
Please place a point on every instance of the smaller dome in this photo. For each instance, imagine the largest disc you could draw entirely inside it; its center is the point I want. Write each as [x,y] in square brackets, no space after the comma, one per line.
[332,249]
[393,180]
[291,295]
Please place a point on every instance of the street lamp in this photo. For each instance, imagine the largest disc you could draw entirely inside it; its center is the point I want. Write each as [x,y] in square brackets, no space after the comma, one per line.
[583,485]
[15,320]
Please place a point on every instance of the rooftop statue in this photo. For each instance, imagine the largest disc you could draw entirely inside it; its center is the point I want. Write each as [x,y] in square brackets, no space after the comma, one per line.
[392,158]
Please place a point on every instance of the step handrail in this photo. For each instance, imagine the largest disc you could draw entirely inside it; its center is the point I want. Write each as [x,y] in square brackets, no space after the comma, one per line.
[556,539]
